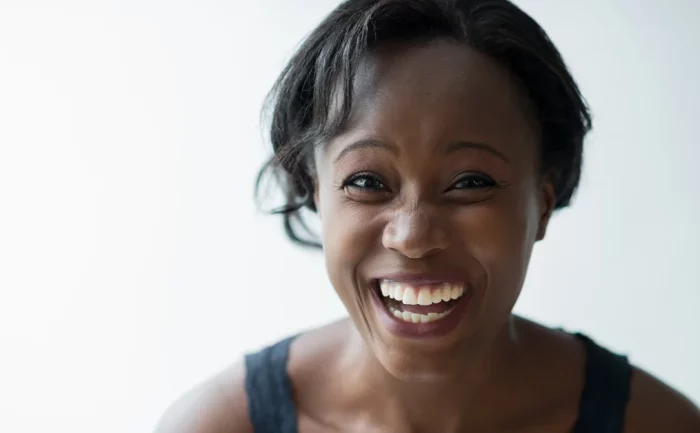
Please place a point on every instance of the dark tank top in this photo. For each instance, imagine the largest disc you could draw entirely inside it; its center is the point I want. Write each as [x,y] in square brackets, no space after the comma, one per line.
[601,409]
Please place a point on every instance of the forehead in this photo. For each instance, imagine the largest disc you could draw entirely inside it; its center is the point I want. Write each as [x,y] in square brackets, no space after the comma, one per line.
[438,92]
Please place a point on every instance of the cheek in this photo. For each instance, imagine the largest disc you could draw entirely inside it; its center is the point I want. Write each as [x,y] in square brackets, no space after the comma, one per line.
[500,236]
[504,231]
[347,235]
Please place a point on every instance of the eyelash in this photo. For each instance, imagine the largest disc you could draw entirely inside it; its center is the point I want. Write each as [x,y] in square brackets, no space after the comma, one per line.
[485,181]
[350,182]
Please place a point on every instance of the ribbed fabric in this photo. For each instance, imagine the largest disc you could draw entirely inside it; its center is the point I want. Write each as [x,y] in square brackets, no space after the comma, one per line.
[270,403]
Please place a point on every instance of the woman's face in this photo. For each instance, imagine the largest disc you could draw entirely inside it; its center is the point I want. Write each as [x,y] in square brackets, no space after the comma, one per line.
[430,203]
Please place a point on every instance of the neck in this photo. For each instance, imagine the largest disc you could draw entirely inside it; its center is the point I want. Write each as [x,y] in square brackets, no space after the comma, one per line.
[446,405]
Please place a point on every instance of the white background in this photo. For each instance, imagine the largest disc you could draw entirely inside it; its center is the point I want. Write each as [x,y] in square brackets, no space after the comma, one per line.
[133,263]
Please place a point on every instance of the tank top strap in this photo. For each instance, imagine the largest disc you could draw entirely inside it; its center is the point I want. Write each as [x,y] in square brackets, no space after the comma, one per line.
[606,390]
[270,401]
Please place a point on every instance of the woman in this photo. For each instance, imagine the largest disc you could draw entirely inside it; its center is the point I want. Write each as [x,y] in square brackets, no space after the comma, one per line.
[434,139]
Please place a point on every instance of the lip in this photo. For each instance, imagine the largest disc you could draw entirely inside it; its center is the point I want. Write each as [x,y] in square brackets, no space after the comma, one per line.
[429,330]
[417,279]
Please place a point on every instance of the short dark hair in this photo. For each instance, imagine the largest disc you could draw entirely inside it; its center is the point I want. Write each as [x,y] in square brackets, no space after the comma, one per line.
[325,63]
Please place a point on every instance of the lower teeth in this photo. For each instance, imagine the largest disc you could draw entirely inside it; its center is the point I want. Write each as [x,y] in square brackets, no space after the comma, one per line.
[418,318]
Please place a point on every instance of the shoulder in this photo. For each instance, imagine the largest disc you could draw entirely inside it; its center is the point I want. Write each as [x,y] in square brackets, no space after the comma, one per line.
[655,407]
[652,407]
[219,405]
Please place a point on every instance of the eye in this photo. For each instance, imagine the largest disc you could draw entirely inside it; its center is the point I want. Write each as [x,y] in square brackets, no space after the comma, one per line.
[473,181]
[365,181]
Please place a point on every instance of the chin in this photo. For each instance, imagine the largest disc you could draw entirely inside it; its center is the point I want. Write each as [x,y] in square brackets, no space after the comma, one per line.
[421,366]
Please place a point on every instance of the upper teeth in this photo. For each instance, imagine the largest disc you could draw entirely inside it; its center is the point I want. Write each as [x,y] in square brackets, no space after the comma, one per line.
[420,295]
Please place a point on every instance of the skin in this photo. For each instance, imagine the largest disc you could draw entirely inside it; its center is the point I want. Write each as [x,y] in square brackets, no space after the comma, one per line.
[409,199]
[471,212]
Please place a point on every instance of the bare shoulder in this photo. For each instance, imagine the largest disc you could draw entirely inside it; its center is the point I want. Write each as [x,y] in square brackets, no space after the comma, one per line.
[219,405]
[655,407]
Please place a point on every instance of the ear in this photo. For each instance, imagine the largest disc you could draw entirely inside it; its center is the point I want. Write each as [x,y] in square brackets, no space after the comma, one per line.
[548,199]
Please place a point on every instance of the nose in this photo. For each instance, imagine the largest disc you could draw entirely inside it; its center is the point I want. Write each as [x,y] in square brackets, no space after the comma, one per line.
[415,233]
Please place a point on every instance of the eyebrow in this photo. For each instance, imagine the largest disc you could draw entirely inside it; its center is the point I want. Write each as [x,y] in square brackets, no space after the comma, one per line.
[465,145]
[452,148]
[365,143]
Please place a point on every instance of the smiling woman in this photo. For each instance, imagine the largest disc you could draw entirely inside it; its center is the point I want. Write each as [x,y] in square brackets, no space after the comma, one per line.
[434,139]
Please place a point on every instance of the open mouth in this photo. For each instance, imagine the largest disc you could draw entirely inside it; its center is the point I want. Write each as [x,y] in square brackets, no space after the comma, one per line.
[419,303]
